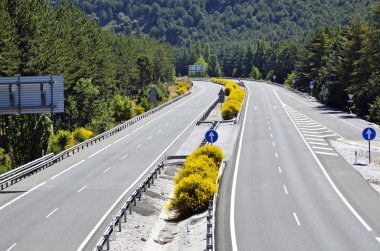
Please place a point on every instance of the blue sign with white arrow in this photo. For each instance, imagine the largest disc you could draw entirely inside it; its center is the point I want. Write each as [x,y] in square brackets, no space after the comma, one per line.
[211,136]
[312,83]
[369,133]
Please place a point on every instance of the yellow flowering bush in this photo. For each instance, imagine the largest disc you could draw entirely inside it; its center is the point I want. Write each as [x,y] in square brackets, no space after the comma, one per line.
[202,165]
[192,193]
[82,134]
[235,97]
[139,109]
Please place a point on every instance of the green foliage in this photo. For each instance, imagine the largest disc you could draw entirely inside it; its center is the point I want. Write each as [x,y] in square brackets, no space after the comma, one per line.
[27,136]
[289,80]
[122,108]
[146,104]
[255,73]
[60,141]
[5,161]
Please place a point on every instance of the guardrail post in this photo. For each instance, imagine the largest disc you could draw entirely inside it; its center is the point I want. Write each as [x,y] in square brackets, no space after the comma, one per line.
[134,200]
[118,220]
[139,193]
[129,207]
[107,239]
[125,214]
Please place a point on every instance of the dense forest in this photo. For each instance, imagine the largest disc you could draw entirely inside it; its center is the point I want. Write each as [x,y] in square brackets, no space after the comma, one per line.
[105,75]
[221,21]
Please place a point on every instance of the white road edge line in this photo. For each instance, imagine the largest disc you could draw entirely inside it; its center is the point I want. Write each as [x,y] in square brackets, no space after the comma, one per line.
[124,156]
[233,192]
[16,199]
[286,190]
[296,218]
[104,148]
[87,239]
[360,219]
[68,169]
[80,190]
[10,248]
[47,216]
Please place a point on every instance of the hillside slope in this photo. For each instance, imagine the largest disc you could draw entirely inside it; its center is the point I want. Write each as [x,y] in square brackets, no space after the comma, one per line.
[180,22]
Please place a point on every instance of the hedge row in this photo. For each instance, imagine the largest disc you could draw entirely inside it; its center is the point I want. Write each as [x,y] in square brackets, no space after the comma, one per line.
[235,97]
[195,183]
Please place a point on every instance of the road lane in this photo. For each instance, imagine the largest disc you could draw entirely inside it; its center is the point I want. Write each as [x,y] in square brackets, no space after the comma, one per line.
[292,209]
[105,176]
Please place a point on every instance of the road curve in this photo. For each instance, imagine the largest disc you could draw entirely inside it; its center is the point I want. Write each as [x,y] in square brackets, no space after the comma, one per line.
[58,208]
[287,188]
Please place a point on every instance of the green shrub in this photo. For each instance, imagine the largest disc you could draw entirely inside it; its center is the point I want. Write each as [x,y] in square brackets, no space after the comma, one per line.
[60,141]
[82,134]
[202,165]
[5,161]
[192,193]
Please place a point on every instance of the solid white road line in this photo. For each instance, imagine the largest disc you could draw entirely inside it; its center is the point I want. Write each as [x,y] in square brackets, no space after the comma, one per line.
[286,190]
[16,199]
[324,153]
[124,156]
[10,248]
[86,240]
[80,190]
[121,138]
[233,192]
[92,155]
[296,218]
[279,169]
[47,216]
[107,170]
[68,169]
[317,143]
[353,211]
[322,148]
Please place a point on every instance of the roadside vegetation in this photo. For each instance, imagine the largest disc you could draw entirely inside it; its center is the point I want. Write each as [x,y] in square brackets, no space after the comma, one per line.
[107,78]
[234,98]
[195,183]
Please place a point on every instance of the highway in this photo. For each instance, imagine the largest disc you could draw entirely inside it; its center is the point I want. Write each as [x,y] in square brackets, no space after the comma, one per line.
[66,206]
[287,188]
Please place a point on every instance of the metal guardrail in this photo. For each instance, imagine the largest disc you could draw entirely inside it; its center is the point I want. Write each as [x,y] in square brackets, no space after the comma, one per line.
[122,213]
[15,176]
[26,166]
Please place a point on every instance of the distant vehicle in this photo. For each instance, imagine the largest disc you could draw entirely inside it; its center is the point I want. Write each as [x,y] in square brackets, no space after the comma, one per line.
[241,83]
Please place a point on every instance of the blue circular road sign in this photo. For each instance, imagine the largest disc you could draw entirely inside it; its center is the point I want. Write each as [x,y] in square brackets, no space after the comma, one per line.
[369,133]
[211,136]
[312,83]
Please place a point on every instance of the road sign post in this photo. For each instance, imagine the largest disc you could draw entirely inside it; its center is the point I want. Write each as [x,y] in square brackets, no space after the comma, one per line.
[369,134]
[211,136]
[312,83]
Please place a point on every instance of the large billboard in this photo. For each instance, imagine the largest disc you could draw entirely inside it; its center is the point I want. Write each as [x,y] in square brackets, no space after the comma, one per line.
[25,95]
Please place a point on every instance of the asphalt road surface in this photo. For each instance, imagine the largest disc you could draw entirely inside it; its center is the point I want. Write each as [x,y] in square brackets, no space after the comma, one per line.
[66,206]
[288,189]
